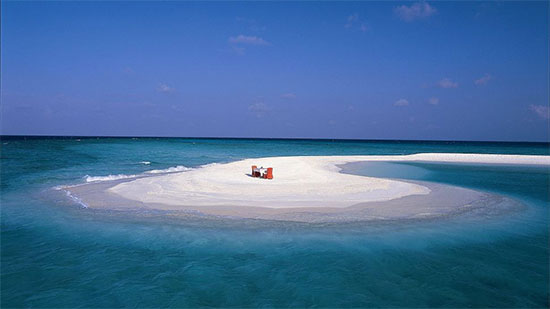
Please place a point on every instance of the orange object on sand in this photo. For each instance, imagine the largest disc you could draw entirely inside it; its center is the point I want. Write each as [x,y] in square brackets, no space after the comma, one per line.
[253,172]
[269,174]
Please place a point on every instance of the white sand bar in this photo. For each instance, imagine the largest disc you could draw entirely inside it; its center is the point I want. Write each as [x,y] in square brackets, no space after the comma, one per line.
[299,182]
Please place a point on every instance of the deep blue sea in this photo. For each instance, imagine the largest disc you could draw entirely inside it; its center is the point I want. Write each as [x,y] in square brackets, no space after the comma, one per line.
[55,253]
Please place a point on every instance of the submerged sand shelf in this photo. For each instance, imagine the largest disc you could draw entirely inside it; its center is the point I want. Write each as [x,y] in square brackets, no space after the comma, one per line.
[442,201]
[307,189]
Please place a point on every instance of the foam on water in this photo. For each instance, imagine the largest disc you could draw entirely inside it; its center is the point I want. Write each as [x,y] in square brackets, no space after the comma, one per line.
[88,178]
[173,169]
[76,199]
[179,168]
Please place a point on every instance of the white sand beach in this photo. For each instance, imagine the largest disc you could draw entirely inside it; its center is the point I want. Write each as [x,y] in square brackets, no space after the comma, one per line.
[298,182]
[308,181]
[304,188]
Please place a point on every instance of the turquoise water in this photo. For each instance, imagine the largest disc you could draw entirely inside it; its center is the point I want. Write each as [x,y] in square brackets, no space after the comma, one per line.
[57,254]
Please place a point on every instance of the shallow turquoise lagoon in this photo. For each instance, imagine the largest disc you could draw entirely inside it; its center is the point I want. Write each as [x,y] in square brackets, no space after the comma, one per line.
[57,254]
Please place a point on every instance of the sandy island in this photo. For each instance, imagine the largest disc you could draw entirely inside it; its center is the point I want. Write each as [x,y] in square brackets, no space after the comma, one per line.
[305,188]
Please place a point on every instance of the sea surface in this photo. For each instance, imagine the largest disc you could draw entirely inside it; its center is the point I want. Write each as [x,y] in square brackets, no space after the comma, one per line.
[55,252]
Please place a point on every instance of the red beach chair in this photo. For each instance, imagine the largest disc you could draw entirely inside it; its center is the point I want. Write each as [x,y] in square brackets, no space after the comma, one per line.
[269,174]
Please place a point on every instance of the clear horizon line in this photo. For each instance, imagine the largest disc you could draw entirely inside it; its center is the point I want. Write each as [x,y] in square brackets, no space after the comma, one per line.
[264,138]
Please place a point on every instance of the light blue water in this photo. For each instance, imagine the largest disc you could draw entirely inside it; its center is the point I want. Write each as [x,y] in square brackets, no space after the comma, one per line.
[57,254]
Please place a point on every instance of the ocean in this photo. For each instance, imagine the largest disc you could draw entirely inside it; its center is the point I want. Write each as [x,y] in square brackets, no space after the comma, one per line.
[55,252]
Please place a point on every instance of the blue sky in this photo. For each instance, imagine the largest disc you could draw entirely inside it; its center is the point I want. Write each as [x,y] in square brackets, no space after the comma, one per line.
[368,70]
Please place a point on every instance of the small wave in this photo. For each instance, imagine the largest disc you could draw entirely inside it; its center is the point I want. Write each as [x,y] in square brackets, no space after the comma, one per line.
[107,178]
[173,169]
[179,168]
[211,164]
[65,187]
[75,199]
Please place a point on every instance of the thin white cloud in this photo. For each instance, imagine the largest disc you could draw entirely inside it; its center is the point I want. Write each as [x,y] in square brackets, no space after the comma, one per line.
[354,21]
[259,109]
[164,88]
[433,101]
[447,83]
[415,11]
[541,110]
[401,102]
[288,95]
[483,80]
[248,40]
